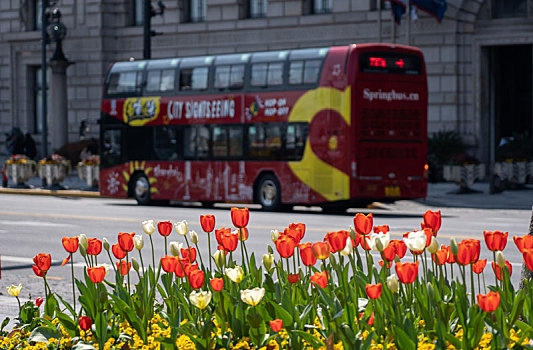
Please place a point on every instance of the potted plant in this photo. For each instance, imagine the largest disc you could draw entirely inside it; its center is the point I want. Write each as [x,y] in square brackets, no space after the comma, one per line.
[514,161]
[464,170]
[88,170]
[53,169]
[19,168]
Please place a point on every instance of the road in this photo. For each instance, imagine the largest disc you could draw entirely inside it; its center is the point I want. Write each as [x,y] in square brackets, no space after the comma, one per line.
[35,224]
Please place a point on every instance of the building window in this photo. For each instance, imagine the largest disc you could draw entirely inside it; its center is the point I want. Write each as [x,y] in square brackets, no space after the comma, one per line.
[136,12]
[509,8]
[197,10]
[30,15]
[258,8]
[316,6]
[37,87]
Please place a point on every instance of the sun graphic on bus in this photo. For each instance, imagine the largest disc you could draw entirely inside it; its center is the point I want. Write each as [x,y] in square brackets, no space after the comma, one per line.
[134,166]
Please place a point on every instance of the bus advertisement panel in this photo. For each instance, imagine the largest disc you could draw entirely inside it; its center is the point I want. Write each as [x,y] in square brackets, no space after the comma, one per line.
[329,126]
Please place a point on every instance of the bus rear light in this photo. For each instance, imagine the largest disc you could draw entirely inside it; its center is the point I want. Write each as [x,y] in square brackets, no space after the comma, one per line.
[353,167]
[426,168]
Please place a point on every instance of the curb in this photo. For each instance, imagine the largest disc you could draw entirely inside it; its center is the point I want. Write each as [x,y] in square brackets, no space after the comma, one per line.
[58,193]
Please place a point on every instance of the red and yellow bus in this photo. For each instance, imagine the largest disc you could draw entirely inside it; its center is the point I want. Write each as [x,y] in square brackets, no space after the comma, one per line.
[333,126]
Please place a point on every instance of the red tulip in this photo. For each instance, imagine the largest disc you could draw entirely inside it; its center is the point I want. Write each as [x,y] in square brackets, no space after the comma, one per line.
[94,247]
[488,302]
[207,222]
[293,278]
[523,243]
[306,254]
[242,233]
[36,270]
[292,233]
[196,279]
[168,263]
[528,258]
[373,290]
[85,322]
[362,241]
[66,260]
[123,267]
[189,268]
[38,301]
[441,256]
[230,241]
[479,266]
[96,274]
[363,223]
[337,240]
[432,220]
[400,247]
[500,272]
[495,240]
[221,232]
[43,261]
[118,252]
[181,265]
[276,324]
[382,229]
[389,253]
[451,257]
[217,284]
[240,216]
[389,263]
[300,228]
[285,246]
[125,241]
[469,250]
[164,228]
[321,250]
[70,244]
[189,254]
[320,279]
[406,272]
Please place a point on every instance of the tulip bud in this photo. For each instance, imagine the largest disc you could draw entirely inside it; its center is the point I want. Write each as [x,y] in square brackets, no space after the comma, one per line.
[182,228]
[433,246]
[270,250]
[454,247]
[106,244]
[393,284]
[107,268]
[175,248]
[268,261]
[138,242]
[148,226]
[220,258]
[379,245]
[431,291]
[83,241]
[193,236]
[83,250]
[274,234]
[348,248]
[500,259]
[134,264]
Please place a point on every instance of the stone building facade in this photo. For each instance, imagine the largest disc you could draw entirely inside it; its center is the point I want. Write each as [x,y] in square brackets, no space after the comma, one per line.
[474,56]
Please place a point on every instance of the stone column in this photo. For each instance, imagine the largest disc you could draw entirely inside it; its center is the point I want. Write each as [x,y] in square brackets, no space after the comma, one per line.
[58,109]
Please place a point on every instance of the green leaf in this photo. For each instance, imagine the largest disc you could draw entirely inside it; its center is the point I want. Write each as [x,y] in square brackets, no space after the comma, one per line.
[42,334]
[282,314]
[453,340]
[403,340]
[315,343]
[69,324]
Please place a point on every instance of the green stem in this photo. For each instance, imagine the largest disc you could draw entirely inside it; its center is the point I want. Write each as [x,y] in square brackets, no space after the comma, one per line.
[153,256]
[142,262]
[199,255]
[73,289]
[127,264]
[242,251]
[209,247]
[472,284]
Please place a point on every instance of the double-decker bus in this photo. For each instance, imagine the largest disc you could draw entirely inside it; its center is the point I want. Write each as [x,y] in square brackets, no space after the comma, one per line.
[332,126]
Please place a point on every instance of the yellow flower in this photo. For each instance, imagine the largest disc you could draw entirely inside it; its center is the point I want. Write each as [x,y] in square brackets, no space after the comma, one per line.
[252,296]
[14,291]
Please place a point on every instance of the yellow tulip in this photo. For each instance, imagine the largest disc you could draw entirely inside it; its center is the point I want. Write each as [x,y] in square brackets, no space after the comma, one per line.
[252,296]
[14,291]
[200,299]
[235,274]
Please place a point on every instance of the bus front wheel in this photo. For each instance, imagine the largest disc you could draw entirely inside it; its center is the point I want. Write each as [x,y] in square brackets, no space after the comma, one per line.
[268,193]
[141,190]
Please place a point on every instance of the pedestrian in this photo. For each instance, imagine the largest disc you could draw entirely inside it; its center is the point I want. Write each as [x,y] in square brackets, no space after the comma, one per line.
[29,146]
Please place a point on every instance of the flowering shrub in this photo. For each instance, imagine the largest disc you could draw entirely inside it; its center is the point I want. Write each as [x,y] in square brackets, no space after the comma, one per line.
[54,159]
[304,295]
[91,160]
[19,159]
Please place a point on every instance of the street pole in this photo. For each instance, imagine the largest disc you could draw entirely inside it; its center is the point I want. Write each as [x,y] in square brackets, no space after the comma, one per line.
[44,106]
[147,50]
[379,21]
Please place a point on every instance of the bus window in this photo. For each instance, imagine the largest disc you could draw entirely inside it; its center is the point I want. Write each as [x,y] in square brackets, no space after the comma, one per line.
[112,147]
[202,142]
[220,142]
[199,78]
[295,72]
[136,150]
[153,80]
[295,141]
[235,141]
[165,143]
[196,142]
[259,74]
[237,77]
[124,82]
[185,79]
[167,80]
[222,74]
[275,74]
[311,72]
[273,138]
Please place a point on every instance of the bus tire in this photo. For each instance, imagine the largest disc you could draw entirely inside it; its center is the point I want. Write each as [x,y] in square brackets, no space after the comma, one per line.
[268,193]
[141,190]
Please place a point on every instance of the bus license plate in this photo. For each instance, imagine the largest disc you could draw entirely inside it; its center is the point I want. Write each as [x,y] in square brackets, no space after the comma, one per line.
[392,191]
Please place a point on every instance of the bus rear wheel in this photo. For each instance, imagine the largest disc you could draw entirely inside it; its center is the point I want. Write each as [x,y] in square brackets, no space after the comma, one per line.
[268,193]
[141,190]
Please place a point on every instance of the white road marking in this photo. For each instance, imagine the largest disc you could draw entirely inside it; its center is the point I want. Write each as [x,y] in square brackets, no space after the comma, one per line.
[34,223]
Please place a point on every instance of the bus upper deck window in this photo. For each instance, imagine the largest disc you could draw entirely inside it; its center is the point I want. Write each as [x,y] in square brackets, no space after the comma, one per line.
[153,80]
[311,71]
[275,74]
[222,75]
[259,74]
[237,76]
[295,72]
[199,78]
[185,79]
[167,80]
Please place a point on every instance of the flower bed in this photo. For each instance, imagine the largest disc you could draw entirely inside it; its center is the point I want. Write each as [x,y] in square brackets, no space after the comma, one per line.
[303,295]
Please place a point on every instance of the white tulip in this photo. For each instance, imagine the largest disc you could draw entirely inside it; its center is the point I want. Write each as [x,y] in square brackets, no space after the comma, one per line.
[193,236]
[274,234]
[416,241]
[433,246]
[378,241]
[348,248]
[148,226]
[138,242]
[182,228]
[175,248]
[252,296]
[392,283]
[235,274]
[83,241]
[200,299]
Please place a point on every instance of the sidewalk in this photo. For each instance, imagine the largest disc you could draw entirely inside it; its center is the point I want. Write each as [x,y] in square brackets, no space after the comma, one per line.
[443,194]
